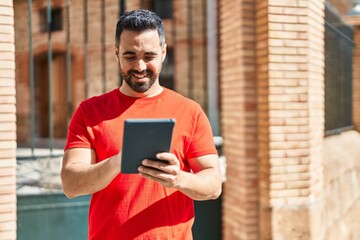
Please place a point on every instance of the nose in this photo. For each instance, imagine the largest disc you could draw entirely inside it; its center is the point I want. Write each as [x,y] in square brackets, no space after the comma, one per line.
[140,65]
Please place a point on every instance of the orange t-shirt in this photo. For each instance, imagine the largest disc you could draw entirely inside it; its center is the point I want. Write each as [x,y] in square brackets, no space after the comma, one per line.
[132,207]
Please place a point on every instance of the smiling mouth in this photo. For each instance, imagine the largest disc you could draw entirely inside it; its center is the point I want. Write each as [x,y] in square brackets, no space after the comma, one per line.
[141,76]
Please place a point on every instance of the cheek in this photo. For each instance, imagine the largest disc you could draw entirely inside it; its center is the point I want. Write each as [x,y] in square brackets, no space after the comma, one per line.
[156,67]
[124,66]
[153,66]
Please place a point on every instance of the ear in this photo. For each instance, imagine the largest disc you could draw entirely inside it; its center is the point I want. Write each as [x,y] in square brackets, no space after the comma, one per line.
[163,52]
[117,52]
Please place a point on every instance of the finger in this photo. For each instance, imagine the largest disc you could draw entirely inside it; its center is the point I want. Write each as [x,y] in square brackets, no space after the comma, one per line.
[155,168]
[169,157]
[164,179]
[161,165]
[154,173]
[157,179]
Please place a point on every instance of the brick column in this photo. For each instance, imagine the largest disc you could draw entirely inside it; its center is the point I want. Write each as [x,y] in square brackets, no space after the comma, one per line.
[355,22]
[290,63]
[7,123]
[237,50]
[263,74]
[356,77]
[181,47]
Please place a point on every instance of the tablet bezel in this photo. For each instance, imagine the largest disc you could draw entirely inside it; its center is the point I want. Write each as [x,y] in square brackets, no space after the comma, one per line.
[143,139]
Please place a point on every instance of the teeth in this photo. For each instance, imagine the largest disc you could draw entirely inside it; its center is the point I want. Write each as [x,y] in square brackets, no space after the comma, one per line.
[140,76]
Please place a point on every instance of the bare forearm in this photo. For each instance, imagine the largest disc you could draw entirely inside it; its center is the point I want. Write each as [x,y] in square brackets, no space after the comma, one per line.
[82,179]
[204,185]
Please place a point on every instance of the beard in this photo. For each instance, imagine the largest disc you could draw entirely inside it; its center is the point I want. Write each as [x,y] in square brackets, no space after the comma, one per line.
[139,87]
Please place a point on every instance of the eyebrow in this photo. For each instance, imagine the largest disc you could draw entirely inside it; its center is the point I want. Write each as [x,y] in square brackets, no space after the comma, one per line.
[133,53]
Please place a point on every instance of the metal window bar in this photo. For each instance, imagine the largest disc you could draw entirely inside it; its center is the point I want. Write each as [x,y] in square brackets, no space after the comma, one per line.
[32,153]
[68,65]
[86,47]
[212,66]
[338,74]
[32,164]
[122,7]
[103,47]
[32,82]
[49,59]
[190,49]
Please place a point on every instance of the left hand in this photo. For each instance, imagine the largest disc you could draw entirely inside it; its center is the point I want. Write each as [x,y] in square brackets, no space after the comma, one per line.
[167,172]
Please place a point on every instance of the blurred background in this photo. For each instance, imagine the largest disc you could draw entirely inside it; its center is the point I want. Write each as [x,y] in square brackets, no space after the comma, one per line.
[278,79]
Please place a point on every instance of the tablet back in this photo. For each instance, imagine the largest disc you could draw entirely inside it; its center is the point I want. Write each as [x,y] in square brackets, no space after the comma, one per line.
[144,138]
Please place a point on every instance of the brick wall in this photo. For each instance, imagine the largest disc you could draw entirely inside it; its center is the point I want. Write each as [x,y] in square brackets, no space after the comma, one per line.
[7,123]
[290,65]
[262,51]
[340,215]
[340,209]
[97,51]
[356,76]
[300,172]
[295,113]
[187,39]
[239,118]
[316,114]
[181,47]
[22,77]
[186,36]
[272,87]
[189,45]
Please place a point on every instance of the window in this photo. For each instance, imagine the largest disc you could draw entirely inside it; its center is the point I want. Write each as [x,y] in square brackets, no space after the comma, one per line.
[338,74]
[56,23]
[166,77]
[163,8]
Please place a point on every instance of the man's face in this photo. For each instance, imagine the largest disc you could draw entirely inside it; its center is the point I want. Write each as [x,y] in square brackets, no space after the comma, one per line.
[140,57]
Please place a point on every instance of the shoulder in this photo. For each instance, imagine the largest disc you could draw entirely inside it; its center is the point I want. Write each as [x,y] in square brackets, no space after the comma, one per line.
[177,98]
[98,101]
[181,106]
[96,109]
[102,97]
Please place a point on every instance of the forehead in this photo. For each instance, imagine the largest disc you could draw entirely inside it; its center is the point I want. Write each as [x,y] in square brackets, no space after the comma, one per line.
[145,40]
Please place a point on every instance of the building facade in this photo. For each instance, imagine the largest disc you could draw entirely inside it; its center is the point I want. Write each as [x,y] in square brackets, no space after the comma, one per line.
[285,178]
[7,123]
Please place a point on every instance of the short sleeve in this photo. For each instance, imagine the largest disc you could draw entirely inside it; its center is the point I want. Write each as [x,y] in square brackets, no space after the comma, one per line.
[202,142]
[78,135]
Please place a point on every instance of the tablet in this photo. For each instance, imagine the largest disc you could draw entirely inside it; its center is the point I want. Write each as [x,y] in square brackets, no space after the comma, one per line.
[143,139]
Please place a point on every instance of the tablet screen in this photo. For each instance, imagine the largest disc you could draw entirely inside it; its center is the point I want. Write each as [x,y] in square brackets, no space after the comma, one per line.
[143,139]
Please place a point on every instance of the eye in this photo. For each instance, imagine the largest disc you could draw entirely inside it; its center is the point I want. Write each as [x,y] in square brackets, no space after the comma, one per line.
[150,57]
[130,58]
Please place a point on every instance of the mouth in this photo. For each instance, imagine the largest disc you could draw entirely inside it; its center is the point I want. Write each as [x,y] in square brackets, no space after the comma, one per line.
[141,76]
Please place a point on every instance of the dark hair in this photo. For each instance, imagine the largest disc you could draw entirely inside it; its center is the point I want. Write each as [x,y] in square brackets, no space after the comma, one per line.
[138,21]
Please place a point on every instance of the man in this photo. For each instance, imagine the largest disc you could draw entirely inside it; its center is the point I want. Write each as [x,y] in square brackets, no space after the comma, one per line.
[157,203]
